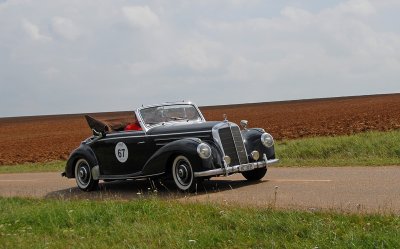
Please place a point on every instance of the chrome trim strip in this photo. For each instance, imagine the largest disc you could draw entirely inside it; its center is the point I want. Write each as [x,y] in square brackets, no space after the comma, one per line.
[233,169]
[155,135]
[140,120]
[125,177]
[181,133]
[113,138]
[122,133]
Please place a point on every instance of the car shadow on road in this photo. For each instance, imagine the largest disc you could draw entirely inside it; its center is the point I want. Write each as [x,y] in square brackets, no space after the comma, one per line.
[137,189]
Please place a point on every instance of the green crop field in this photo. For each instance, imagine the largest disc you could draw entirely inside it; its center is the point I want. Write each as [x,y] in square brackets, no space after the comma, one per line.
[153,223]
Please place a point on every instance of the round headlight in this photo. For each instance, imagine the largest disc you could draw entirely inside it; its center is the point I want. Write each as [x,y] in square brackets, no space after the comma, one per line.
[267,140]
[204,150]
[227,160]
[255,155]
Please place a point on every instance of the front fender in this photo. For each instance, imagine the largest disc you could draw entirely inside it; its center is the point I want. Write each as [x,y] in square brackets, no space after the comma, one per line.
[252,141]
[163,157]
[83,151]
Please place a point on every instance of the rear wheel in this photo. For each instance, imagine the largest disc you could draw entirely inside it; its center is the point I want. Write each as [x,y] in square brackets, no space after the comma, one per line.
[83,175]
[182,173]
[255,175]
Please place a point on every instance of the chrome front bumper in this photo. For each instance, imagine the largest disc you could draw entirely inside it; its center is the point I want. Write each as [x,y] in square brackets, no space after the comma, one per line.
[236,169]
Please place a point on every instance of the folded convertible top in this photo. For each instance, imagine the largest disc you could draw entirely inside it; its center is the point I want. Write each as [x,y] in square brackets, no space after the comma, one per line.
[97,125]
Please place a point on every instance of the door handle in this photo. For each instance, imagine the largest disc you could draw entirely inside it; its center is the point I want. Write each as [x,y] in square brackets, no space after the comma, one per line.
[141,142]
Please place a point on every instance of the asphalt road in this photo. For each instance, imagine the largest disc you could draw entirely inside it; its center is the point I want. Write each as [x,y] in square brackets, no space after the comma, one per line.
[345,189]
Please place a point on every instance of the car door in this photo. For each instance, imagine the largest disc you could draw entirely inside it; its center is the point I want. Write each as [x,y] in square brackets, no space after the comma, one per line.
[122,153]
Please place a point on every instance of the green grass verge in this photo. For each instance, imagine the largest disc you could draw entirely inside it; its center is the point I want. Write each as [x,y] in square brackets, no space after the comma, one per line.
[363,149]
[151,223]
[55,166]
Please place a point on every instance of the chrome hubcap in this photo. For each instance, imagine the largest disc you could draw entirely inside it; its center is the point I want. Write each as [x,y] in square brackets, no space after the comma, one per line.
[83,173]
[183,174]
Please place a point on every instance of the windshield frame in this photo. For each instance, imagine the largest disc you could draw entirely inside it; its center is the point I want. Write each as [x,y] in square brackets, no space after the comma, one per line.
[147,127]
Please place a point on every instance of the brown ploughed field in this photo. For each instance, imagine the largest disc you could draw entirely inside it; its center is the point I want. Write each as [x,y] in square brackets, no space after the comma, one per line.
[47,138]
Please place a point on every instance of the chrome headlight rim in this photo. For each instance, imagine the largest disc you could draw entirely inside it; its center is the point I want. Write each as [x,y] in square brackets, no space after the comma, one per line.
[204,150]
[267,140]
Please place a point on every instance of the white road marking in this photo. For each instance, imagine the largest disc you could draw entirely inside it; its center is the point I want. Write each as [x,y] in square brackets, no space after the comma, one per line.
[296,180]
[28,180]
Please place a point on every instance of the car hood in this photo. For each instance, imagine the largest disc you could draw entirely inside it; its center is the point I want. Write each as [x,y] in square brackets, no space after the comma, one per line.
[183,128]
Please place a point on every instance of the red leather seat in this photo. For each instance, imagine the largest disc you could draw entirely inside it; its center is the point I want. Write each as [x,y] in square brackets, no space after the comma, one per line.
[133,127]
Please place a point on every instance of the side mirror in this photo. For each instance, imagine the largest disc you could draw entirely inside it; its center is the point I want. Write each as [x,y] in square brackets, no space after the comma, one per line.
[244,123]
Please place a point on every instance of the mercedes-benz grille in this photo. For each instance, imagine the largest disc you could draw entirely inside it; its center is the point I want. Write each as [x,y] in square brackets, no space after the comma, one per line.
[232,144]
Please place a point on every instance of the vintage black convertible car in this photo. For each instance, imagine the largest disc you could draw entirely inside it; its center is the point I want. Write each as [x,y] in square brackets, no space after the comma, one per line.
[171,140]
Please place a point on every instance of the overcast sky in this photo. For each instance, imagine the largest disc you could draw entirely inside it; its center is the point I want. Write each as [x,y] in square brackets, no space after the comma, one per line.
[79,56]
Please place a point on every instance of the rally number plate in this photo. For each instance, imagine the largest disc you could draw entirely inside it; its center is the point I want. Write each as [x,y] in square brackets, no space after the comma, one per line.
[246,167]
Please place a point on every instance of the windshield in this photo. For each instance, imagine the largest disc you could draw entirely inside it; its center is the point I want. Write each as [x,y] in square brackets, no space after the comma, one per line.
[170,113]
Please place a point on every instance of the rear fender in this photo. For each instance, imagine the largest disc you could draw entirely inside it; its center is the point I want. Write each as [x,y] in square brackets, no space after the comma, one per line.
[159,161]
[83,151]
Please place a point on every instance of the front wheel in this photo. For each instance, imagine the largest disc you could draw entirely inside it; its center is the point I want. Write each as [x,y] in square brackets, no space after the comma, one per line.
[83,176]
[255,175]
[183,175]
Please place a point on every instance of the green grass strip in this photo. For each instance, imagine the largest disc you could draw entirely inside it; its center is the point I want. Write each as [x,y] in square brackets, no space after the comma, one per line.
[55,166]
[363,149]
[152,223]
